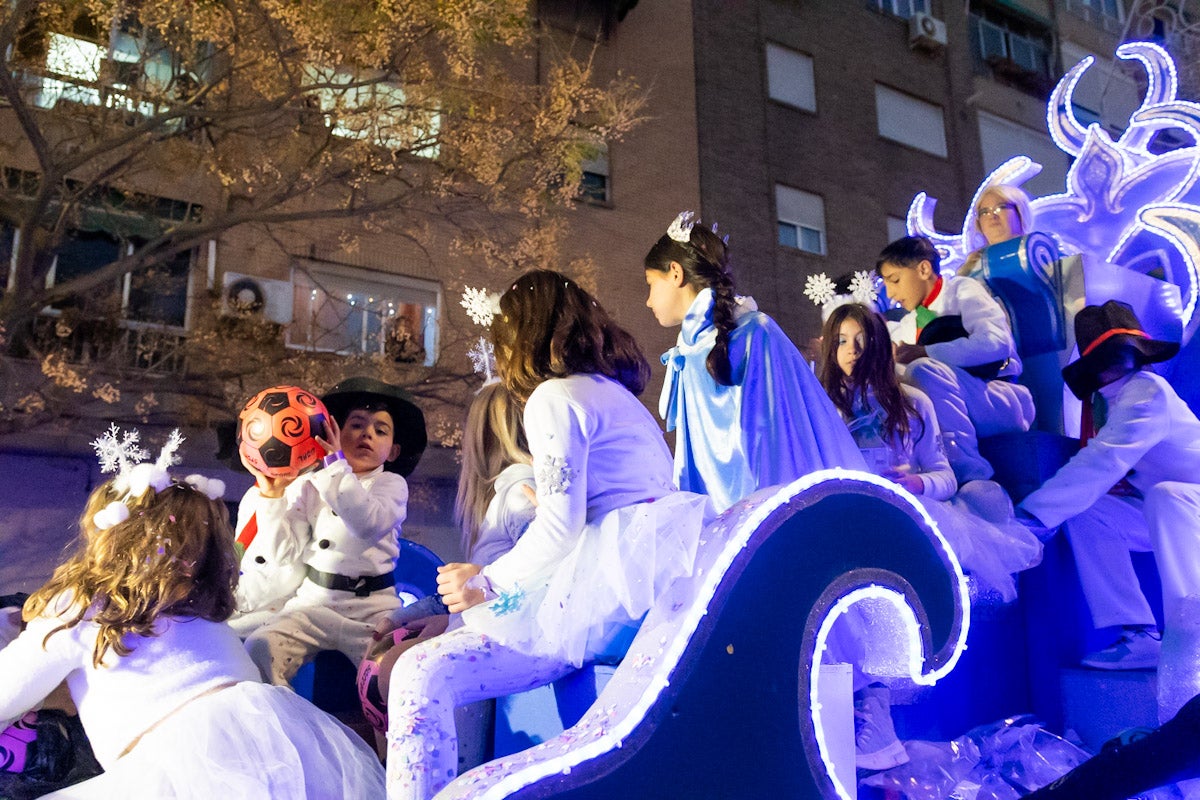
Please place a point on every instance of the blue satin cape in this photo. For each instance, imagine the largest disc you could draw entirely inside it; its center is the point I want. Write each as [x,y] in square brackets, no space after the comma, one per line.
[773,425]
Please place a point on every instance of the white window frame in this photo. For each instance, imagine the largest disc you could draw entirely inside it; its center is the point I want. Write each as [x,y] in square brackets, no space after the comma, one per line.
[902,8]
[342,286]
[803,211]
[910,121]
[790,78]
[340,101]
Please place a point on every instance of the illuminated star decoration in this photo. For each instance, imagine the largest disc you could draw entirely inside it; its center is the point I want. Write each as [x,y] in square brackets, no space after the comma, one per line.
[483,358]
[819,288]
[1122,203]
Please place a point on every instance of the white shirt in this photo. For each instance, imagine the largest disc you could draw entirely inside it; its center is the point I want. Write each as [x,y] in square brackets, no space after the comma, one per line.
[508,515]
[1149,430]
[595,448]
[332,520]
[989,337]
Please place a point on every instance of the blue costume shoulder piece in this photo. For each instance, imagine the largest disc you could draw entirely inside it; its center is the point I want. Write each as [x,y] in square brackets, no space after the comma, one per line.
[773,425]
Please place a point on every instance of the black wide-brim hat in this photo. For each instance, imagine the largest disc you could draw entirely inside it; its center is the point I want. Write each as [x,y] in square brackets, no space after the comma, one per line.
[1104,335]
[407,419]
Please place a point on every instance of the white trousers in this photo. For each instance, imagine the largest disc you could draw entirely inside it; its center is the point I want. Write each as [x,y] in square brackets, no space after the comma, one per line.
[428,682]
[967,408]
[317,619]
[1167,523]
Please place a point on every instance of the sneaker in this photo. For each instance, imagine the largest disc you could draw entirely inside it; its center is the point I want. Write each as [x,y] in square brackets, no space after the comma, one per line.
[1137,648]
[875,744]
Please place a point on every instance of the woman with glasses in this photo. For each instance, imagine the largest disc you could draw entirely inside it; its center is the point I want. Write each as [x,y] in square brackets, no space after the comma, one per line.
[1001,213]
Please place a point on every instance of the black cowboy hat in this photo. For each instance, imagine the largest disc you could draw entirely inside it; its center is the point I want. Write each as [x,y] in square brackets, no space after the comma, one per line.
[1105,334]
[408,420]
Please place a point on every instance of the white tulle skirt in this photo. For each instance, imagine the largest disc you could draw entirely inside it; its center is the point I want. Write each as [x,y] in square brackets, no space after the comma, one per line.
[991,545]
[250,740]
[588,602]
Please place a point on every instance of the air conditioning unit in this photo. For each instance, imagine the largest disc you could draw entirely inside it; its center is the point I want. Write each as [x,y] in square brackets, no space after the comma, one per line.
[252,295]
[926,32]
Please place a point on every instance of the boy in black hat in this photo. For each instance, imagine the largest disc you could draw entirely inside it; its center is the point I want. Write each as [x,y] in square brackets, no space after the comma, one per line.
[345,518]
[1147,435]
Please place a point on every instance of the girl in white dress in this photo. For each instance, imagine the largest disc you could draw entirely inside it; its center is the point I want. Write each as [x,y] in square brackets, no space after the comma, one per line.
[610,533]
[897,431]
[134,622]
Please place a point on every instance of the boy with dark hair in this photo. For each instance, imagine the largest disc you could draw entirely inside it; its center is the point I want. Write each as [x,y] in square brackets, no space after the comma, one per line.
[1147,434]
[954,344]
[344,522]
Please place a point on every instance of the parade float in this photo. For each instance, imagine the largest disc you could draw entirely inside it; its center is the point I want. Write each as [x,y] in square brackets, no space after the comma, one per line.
[718,695]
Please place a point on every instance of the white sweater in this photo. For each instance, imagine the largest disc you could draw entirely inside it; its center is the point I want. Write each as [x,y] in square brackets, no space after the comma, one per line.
[595,448]
[121,699]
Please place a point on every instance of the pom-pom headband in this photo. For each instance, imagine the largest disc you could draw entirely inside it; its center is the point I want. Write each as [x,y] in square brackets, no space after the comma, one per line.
[121,453]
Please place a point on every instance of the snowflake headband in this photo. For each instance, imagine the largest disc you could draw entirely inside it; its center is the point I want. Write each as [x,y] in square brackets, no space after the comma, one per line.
[822,291]
[121,453]
[482,308]
[680,229]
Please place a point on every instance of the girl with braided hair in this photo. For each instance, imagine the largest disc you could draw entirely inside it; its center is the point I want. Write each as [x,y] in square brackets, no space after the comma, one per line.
[747,410]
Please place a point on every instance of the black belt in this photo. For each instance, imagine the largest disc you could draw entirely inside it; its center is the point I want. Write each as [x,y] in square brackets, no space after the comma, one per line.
[362,586]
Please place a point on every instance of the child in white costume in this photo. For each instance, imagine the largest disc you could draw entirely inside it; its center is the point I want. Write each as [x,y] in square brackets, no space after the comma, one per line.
[1149,436]
[172,705]
[344,522]
[609,535]
[956,346]
[747,410]
[493,508]
[897,429]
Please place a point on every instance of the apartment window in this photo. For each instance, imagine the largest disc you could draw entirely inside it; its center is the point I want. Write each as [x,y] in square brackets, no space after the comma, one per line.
[1001,140]
[1104,93]
[1012,49]
[790,77]
[594,181]
[155,295]
[910,121]
[341,309]
[362,104]
[801,219]
[901,8]
[128,68]
[1106,14]
[159,294]
[897,228]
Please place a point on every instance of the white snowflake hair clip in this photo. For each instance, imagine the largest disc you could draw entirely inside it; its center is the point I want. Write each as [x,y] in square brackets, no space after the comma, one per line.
[681,228]
[819,288]
[120,452]
[864,288]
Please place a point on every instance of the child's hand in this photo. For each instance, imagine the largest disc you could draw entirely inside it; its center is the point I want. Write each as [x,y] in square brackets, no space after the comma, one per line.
[907,353]
[912,483]
[530,494]
[452,586]
[332,442]
[268,486]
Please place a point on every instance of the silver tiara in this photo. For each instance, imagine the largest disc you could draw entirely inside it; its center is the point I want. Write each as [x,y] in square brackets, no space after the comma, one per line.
[681,229]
